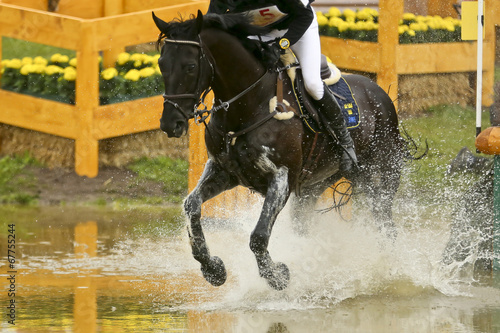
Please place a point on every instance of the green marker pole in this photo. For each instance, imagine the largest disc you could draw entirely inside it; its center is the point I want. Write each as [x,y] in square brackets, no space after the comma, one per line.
[488,142]
[496,212]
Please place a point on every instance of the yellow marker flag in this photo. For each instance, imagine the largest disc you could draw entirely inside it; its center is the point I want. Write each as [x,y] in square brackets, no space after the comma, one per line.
[469,20]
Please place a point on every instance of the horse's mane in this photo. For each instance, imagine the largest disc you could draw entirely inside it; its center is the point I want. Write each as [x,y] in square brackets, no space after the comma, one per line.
[236,24]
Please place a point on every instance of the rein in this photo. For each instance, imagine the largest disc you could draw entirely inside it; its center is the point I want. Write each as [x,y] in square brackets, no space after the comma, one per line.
[201,114]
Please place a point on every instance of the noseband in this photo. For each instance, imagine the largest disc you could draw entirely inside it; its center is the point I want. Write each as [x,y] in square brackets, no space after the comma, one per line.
[170,99]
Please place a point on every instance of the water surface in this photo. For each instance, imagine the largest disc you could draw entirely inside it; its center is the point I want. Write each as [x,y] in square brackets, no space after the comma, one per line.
[99,270]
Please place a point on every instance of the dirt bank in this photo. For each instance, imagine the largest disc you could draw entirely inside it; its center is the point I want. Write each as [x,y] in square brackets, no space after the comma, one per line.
[63,186]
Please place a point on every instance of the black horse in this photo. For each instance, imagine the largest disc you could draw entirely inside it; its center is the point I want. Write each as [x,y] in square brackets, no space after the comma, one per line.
[248,146]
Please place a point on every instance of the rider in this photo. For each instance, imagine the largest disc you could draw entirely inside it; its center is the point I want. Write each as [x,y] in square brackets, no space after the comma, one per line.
[296,27]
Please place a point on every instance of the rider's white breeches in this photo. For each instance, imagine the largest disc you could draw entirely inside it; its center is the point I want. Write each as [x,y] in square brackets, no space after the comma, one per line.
[308,51]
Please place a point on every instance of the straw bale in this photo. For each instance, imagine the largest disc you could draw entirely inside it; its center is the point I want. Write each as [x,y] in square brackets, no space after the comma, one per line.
[122,150]
[51,150]
[419,92]
[54,151]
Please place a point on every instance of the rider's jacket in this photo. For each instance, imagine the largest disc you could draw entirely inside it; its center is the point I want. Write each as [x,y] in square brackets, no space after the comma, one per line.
[278,14]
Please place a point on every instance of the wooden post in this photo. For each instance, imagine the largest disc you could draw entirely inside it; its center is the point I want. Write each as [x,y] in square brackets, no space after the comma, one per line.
[225,204]
[496,213]
[112,7]
[87,100]
[0,79]
[490,16]
[1,38]
[390,12]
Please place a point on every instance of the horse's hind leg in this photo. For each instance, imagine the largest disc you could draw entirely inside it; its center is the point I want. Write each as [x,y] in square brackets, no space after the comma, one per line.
[213,181]
[277,274]
[304,205]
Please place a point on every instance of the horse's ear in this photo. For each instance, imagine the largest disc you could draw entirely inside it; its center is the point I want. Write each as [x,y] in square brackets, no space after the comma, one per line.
[162,25]
[199,21]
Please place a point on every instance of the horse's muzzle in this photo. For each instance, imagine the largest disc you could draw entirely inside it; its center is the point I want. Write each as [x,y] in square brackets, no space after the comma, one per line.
[174,129]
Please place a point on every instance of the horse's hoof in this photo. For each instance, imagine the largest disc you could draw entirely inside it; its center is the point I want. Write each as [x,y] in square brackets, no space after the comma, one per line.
[214,272]
[279,277]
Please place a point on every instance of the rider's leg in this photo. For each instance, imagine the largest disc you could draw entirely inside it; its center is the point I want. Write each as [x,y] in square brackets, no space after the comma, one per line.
[329,109]
[308,51]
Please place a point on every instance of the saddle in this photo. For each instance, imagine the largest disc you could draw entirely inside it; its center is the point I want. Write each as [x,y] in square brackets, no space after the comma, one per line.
[332,77]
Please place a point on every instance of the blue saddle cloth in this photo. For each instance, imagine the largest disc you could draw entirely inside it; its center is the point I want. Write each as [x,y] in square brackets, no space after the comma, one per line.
[347,103]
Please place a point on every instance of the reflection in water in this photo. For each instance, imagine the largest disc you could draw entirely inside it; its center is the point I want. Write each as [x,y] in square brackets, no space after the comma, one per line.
[85,270]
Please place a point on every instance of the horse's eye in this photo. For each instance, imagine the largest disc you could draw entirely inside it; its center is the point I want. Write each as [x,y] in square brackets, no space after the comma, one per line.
[190,68]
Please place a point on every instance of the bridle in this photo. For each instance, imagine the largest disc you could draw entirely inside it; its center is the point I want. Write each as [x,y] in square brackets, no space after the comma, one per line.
[200,110]
[170,99]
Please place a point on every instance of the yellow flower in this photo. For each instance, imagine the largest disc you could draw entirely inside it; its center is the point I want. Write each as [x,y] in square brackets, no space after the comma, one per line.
[149,60]
[449,26]
[343,26]
[26,60]
[411,32]
[137,56]
[40,60]
[420,26]
[70,73]
[53,69]
[132,75]
[335,21]
[350,19]
[157,70]
[409,16]
[433,24]
[137,63]
[14,63]
[63,58]
[123,58]
[73,62]
[402,29]
[27,69]
[364,14]
[420,18]
[147,72]
[370,25]
[32,68]
[334,12]
[322,20]
[155,59]
[360,25]
[55,57]
[349,13]
[373,12]
[109,73]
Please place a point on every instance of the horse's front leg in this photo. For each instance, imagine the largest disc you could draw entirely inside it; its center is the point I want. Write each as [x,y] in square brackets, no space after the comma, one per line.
[277,274]
[213,181]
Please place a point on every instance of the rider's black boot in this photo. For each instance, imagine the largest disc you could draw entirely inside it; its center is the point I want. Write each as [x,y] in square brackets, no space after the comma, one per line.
[334,121]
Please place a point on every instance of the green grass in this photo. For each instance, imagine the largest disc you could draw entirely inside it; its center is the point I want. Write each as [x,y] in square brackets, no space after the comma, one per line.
[13,176]
[17,48]
[173,173]
[447,129]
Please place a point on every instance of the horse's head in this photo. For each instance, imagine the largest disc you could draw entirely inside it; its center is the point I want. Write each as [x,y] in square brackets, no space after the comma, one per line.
[186,72]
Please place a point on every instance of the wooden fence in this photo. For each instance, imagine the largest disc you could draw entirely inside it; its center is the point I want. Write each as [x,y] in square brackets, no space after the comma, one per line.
[388,59]
[86,122]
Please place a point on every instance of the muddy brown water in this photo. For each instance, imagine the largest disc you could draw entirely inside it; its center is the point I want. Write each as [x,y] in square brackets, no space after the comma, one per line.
[104,270]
